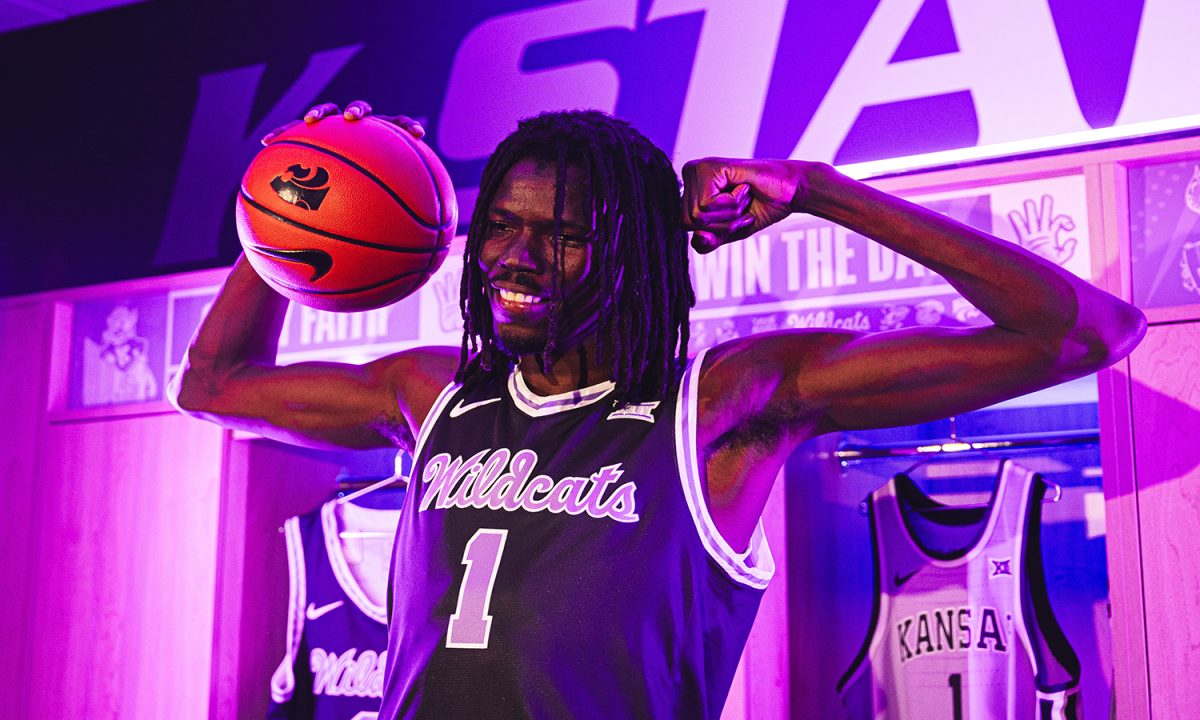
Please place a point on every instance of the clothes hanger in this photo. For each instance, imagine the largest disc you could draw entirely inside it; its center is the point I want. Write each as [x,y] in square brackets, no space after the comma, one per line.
[931,451]
[398,477]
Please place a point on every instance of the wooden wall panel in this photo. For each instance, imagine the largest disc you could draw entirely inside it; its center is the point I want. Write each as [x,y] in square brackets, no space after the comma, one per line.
[125,591]
[1124,545]
[1166,411]
[264,484]
[1110,263]
[24,354]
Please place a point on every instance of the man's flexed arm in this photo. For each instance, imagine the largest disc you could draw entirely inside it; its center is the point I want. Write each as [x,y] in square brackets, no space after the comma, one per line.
[229,376]
[1048,325]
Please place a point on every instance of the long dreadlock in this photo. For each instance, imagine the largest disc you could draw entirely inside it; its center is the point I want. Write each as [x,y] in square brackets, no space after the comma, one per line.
[639,238]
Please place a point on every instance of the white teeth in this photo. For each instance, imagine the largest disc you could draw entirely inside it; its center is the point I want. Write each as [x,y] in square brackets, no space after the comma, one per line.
[516,297]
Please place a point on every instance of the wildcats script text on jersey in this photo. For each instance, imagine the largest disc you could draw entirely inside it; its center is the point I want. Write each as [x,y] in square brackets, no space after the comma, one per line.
[503,480]
[345,674]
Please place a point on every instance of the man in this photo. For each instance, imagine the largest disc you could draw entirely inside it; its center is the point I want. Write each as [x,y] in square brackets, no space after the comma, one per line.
[580,537]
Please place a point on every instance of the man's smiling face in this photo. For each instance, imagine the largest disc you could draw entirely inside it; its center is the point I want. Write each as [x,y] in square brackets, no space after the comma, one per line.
[517,257]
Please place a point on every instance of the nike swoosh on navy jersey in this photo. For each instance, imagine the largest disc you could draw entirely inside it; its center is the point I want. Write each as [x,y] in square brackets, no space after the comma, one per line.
[461,409]
[313,612]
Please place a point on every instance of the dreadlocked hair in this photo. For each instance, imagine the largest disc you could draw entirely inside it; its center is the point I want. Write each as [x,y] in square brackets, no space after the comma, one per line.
[639,250]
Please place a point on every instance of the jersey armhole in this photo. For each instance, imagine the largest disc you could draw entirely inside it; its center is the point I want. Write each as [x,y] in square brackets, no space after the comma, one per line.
[860,659]
[283,681]
[1058,667]
[752,568]
[435,412]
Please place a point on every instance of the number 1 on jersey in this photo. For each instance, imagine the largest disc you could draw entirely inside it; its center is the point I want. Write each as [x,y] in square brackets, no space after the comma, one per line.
[470,625]
[955,681]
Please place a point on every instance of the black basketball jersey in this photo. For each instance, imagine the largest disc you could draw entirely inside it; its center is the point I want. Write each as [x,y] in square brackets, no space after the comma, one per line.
[336,634]
[555,559]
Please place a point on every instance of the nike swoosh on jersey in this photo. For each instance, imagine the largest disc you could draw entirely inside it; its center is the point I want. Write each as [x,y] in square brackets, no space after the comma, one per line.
[313,612]
[901,579]
[461,409]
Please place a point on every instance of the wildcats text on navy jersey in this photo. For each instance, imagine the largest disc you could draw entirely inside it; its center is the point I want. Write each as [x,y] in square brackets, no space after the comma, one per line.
[333,665]
[555,559]
[506,482]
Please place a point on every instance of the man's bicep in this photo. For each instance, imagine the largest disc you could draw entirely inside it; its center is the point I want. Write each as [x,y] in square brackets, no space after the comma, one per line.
[914,375]
[318,404]
[321,405]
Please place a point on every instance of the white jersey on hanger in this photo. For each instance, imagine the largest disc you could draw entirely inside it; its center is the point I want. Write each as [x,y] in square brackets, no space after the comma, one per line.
[962,627]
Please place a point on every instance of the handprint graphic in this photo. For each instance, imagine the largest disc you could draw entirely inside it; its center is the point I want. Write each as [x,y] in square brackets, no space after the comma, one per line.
[449,313]
[1040,231]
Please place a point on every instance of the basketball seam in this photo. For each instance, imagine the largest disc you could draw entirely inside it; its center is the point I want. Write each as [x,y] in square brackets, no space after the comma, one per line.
[371,176]
[372,286]
[429,269]
[433,259]
[437,190]
[334,236]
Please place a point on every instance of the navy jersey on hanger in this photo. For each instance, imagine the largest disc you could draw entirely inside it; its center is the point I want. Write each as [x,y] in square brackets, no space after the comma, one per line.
[555,559]
[336,637]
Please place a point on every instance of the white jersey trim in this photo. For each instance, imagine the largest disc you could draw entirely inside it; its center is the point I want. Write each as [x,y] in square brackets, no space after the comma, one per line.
[534,405]
[283,681]
[435,412]
[1019,558]
[753,568]
[1058,702]
[1028,477]
[341,569]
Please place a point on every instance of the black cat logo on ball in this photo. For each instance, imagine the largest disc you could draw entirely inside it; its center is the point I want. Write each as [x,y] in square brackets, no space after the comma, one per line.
[303,187]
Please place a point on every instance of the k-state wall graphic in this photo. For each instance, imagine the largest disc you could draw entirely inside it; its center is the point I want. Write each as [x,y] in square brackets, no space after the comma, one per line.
[127,130]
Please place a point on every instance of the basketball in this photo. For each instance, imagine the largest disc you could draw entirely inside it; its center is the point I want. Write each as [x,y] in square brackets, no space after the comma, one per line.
[346,215]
